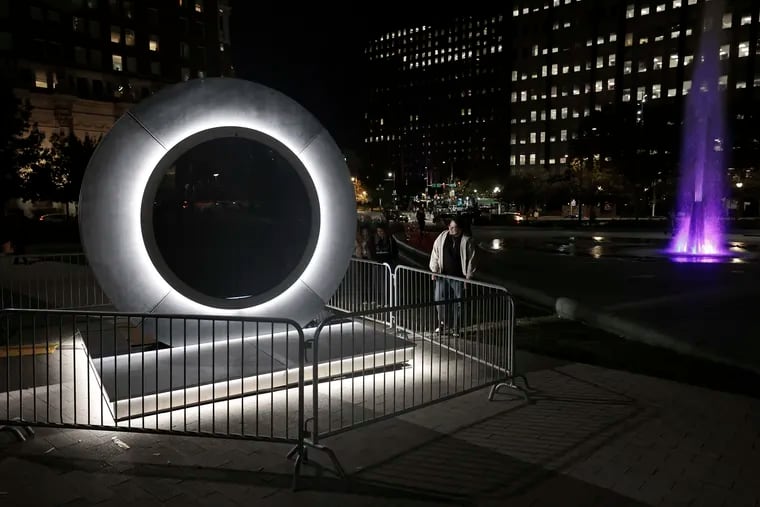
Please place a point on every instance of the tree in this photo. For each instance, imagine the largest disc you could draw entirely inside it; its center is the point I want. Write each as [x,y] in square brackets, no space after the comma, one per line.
[18,151]
[68,158]
[34,167]
[593,172]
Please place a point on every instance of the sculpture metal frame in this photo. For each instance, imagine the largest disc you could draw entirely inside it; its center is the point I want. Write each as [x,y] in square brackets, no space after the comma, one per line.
[119,184]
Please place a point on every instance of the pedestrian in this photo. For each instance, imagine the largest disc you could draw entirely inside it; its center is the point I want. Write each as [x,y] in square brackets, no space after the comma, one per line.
[386,249]
[453,256]
[421,220]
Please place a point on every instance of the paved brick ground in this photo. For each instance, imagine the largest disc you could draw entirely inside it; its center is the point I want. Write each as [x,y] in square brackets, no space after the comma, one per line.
[593,436]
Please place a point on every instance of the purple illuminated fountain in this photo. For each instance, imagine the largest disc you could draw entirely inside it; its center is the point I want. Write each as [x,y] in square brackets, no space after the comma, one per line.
[701,186]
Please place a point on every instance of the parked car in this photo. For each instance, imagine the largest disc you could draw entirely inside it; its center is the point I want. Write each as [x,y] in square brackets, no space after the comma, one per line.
[53,218]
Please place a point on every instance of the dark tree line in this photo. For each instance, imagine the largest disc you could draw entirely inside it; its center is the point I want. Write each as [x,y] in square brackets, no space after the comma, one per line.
[30,168]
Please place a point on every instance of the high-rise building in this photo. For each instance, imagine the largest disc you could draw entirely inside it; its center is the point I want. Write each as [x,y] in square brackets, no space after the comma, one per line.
[81,63]
[572,57]
[437,108]
[510,92]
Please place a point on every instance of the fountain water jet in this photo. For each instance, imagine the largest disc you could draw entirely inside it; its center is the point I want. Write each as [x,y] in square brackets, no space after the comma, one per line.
[699,230]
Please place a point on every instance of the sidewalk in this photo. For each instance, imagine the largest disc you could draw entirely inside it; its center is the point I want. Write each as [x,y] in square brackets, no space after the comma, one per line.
[593,436]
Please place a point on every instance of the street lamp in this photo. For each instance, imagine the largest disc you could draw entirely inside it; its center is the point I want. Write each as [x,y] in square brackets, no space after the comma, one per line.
[739,184]
[496,190]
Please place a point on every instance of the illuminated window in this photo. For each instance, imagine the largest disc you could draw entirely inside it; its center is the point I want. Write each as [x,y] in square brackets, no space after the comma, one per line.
[641,93]
[599,62]
[727,20]
[563,113]
[692,2]
[741,85]
[630,11]
[628,39]
[611,83]
[116,63]
[40,79]
[78,24]
[613,37]
[563,135]
[674,34]
[576,68]
[533,116]
[746,20]
[576,90]
[725,52]
[644,11]
[153,43]
[686,87]
[656,91]
[554,91]
[198,5]
[611,60]
[627,95]
[514,75]
[553,114]
[676,4]
[533,137]
[598,86]
[743,49]
[672,92]
[514,99]
[555,69]
[532,158]
[643,41]
[642,66]
[523,96]
[565,69]
[673,61]
[723,82]
[115,34]
[657,63]
[660,8]
[522,159]
[688,59]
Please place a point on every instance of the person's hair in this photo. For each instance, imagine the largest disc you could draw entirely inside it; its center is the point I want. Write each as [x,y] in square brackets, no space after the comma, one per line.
[462,223]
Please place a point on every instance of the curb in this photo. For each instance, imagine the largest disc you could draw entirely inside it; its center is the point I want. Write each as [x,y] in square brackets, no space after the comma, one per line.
[571,309]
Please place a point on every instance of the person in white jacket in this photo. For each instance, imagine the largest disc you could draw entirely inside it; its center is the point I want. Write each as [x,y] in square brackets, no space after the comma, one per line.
[453,255]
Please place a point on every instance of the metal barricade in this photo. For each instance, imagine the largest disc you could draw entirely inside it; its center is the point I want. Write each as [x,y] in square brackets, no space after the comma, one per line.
[180,374]
[367,284]
[394,360]
[480,306]
[49,281]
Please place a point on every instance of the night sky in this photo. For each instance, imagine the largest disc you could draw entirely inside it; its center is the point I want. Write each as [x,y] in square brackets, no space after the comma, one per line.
[314,54]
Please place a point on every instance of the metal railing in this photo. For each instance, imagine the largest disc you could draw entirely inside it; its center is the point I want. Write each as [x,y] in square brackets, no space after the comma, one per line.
[465,309]
[246,378]
[397,369]
[49,281]
[177,374]
[367,284]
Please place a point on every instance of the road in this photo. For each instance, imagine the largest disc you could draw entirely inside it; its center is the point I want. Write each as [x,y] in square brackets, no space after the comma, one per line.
[711,306]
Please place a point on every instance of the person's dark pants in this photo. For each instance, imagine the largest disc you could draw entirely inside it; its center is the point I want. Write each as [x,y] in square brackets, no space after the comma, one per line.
[449,314]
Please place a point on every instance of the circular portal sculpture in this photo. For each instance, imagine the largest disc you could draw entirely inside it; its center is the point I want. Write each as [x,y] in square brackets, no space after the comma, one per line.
[122,178]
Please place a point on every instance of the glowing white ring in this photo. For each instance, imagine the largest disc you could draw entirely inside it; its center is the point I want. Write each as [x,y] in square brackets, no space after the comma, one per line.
[119,172]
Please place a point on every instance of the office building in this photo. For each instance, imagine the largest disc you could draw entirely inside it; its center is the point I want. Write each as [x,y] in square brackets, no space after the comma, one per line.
[82,63]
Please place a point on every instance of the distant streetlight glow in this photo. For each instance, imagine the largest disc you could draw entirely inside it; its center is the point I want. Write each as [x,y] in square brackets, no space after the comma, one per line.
[739,184]
[390,175]
[496,190]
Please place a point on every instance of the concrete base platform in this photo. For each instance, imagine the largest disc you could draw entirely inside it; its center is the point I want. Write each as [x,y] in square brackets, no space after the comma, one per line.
[146,382]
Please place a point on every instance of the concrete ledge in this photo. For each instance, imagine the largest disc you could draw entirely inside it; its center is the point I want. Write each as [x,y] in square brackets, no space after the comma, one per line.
[570,309]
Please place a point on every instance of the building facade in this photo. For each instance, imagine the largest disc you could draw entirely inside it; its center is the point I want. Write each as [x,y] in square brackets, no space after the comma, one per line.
[572,57]
[437,107]
[82,63]
[512,90]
